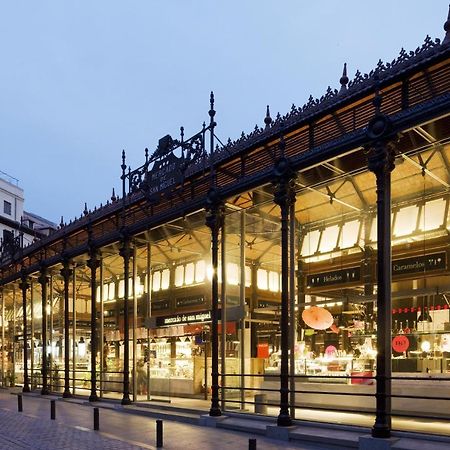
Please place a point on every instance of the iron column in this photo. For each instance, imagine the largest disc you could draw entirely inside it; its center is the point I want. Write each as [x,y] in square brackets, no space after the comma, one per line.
[24,287]
[214,221]
[66,273]
[284,196]
[43,280]
[381,163]
[93,264]
[125,253]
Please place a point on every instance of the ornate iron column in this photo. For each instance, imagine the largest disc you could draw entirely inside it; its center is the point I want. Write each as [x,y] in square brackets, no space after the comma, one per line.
[24,285]
[43,280]
[125,253]
[93,264]
[214,221]
[284,197]
[66,273]
[381,163]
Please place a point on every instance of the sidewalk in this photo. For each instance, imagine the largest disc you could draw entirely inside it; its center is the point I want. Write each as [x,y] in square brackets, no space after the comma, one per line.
[33,429]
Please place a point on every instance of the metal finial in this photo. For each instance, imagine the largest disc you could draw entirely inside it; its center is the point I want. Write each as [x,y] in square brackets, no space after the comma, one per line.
[447,29]
[85,212]
[113,196]
[267,119]
[61,224]
[344,79]
[146,155]
[182,133]
[123,166]
[212,113]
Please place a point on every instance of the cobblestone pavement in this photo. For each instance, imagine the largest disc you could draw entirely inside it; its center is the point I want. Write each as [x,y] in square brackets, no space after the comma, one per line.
[33,429]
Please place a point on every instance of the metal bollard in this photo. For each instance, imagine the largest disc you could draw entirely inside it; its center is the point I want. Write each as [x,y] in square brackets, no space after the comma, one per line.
[19,403]
[159,433]
[96,419]
[252,444]
[52,409]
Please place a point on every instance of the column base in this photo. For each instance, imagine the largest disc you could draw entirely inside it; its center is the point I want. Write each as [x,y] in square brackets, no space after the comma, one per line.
[93,398]
[284,420]
[215,412]
[67,394]
[45,391]
[125,401]
[381,431]
[26,388]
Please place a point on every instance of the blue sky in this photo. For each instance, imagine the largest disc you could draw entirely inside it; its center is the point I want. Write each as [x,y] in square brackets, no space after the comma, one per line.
[80,81]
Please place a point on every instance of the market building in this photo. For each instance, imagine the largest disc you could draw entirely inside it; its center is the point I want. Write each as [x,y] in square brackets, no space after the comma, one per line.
[304,265]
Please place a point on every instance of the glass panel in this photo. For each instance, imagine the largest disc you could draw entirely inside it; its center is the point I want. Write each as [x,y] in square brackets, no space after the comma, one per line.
[432,215]
[111,291]
[121,288]
[157,281]
[273,281]
[179,276]
[189,273]
[310,242]
[406,220]
[248,276]
[200,271]
[165,279]
[329,238]
[349,234]
[261,276]
[233,274]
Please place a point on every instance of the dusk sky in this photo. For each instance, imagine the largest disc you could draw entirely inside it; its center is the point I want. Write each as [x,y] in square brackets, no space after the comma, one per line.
[80,81]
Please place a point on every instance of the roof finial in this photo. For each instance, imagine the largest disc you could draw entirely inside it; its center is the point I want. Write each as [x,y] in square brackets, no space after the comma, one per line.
[447,29]
[113,196]
[85,212]
[211,112]
[267,119]
[61,224]
[344,79]
[124,165]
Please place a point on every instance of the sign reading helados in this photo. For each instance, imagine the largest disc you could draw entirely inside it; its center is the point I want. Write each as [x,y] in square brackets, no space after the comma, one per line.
[317,318]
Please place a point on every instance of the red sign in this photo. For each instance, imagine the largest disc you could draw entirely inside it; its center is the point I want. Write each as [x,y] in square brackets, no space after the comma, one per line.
[400,343]
[263,350]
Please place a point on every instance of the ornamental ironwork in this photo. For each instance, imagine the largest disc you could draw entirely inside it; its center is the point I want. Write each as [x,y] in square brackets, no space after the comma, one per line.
[168,165]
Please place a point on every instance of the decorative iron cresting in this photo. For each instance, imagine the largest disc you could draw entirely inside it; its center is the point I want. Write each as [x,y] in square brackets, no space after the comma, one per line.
[167,166]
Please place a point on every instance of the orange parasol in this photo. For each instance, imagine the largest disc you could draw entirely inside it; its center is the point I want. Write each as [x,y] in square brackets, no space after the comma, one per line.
[317,318]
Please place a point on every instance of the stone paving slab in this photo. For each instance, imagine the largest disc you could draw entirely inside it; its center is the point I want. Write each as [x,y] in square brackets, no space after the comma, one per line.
[19,431]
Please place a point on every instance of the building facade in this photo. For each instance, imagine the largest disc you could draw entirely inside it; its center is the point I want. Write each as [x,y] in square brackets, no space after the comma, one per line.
[303,266]
[18,228]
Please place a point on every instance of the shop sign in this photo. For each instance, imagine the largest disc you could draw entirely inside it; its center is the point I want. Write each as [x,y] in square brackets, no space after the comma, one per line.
[437,261]
[349,275]
[267,303]
[190,301]
[159,306]
[400,343]
[182,319]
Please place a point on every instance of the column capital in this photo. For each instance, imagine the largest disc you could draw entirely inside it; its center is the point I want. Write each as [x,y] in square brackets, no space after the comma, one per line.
[94,261]
[214,209]
[43,276]
[284,183]
[24,285]
[66,272]
[381,157]
[126,251]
